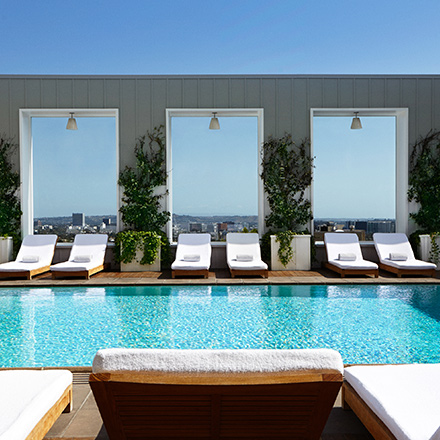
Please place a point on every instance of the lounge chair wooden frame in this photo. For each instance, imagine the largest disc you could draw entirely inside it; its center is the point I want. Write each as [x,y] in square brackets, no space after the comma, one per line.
[188,272]
[28,274]
[77,273]
[63,404]
[215,405]
[240,272]
[343,272]
[375,426]
[401,271]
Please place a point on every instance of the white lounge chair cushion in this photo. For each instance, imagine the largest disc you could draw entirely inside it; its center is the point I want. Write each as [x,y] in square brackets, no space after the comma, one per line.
[398,243]
[405,397]
[192,245]
[221,361]
[41,246]
[244,244]
[26,396]
[346,243]
[90,245]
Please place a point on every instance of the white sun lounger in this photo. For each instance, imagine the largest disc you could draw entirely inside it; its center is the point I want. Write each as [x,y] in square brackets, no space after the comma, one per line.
[344,255]
[243,254]
[86,257]
[240,394]
[395,401]
[396,255]
[31,401]
[34,257]
[193,255]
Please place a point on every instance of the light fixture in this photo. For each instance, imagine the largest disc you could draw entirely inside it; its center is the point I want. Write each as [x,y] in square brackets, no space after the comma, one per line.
[356,123]
[71,123]
[214,124]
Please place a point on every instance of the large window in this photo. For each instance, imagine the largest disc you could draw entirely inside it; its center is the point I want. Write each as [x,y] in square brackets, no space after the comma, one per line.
[69,176]
[215,175]
[355,175]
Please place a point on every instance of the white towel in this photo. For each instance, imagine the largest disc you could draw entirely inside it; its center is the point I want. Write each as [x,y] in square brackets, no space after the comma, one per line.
[191,257]
[82,258]
[244,257]
[30,258]
[396,256]
[347,257]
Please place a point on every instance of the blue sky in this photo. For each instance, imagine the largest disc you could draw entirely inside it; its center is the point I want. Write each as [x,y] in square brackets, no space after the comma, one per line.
[200,37]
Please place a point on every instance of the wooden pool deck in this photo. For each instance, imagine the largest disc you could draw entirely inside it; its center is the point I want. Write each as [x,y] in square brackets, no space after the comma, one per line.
[85,423]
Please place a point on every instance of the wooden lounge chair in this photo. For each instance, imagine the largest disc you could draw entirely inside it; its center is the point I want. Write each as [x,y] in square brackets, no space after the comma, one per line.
[193,255]
[396,256]
[86,257]
[395,401]
[243,254]
[215,394]
[31,401]
[344,255]
[33,258]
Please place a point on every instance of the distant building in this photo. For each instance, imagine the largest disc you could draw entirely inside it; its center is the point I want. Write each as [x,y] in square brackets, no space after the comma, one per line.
[78,219]
[195,227]
[107,221]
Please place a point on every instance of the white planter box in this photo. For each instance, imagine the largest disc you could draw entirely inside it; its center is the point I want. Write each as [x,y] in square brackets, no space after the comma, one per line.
[136,266]
[425,247]
[5,249]
[301,253]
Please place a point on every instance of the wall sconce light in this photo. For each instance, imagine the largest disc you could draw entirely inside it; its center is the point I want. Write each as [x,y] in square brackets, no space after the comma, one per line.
[214,124]
[356,123]
[71,123]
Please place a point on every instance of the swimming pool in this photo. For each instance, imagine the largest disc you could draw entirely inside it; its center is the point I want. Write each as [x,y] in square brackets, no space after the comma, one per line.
[65,326]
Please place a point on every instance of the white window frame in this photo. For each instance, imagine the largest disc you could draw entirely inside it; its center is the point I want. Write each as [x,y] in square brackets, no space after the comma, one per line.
[26,155]
[221,113]
[402,162]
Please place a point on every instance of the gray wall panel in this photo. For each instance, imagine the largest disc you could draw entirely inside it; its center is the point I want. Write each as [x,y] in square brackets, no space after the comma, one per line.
[143,106]
[65,93]
[284,101]
[346,93]
[315,92]
[409,99]
[361,93]
[96,93]
[33,93]
[49,93]
[175,93]
[221,93]
[190,93]
[237,93]
[112,93]
[206,93]
[424,105]
[17,101]
[330,93]
[5,112]
[253,93]
[301,118]
[81,93]
[436,104]
[269,105]
[159,101]
[377,93]
[393,93]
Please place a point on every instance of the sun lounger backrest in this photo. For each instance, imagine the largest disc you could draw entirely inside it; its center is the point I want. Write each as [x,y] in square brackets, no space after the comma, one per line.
[337,243]
[243,243]
[216,394]
[93,245]
[41,246]
[199,244]
[386,244]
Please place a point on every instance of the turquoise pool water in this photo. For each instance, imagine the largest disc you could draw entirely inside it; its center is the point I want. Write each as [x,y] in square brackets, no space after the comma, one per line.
[369,324]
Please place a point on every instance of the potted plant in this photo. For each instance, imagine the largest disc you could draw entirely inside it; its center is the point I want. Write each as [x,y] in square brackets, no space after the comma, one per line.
[10,212]
[286,174]
[424,189]
[144,244]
